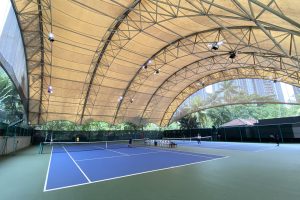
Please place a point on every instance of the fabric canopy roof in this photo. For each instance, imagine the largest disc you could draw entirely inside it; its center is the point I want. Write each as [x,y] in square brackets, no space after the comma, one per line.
[125,60]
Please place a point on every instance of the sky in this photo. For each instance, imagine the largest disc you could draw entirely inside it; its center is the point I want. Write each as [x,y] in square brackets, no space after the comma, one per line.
[287,90]
[4,9]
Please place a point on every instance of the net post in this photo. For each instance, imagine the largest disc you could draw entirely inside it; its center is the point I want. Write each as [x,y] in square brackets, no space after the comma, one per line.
[41,148]
[280,132]
[258,133]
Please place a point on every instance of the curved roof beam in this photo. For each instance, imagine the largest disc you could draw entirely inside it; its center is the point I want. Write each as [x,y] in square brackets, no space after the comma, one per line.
[224,75]
[34,19]
[248,39]
[100,53]
[210,65]
[154,12]
[244,12]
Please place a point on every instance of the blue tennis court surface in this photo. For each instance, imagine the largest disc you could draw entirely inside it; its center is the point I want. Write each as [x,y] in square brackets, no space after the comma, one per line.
[72,168]
[255,147]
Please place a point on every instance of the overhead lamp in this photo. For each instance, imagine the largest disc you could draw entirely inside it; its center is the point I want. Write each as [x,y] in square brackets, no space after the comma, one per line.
[149,61]
[232,54]
[145,66]
[215,45]
[156,71]
[131,100]
[50,89]
[120,98]
[51,37]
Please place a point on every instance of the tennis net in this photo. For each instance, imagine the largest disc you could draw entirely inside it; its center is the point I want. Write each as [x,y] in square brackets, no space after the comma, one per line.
[190,139]
[62,147]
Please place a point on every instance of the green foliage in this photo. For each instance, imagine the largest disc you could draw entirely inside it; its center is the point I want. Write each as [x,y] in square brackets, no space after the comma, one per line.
[60,125]
[229,103]
[188,122]
[219,116]
[10,103]
[152,127]
[173,126]
[95,126]
[124,126]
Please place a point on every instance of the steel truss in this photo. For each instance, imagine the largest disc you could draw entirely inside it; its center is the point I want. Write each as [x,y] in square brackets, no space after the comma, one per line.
[34,17]
[248,48]
[151,13]
[248,39]
[254,72]
[263,47]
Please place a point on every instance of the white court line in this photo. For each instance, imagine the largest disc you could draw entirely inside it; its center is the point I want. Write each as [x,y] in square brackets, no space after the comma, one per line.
[187,153]
[232,147]
[125,154]
[151,171]
[267,149]
[128,155]
[87,178]
[46,181]
[113,151]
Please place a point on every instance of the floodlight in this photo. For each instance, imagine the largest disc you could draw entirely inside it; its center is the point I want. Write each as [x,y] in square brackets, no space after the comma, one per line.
[120,98]
[51,37]
[232,54]
[50,89]
[215,45]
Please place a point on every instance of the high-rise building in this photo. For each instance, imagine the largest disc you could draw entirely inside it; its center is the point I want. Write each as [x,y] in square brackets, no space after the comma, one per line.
[297,93]
[253,86]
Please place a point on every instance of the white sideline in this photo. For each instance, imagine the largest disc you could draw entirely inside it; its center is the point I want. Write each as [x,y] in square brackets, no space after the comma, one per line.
[87,178]
[46,181]
[135,174]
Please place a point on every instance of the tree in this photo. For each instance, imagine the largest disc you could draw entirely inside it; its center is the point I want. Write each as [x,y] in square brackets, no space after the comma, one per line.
[219,116]
[96,126]
[10,103]
[151,126]
[173,126]
[188,122]
[229,91]
[60,125]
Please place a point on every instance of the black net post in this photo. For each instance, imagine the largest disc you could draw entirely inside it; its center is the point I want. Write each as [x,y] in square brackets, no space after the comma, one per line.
[280,132]
[258,133]
[240,130]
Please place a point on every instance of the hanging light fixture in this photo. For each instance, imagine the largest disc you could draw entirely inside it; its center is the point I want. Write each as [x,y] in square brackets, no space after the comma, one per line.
[50,89]
[232,54]
[51,37]
[215,45]
[120,98]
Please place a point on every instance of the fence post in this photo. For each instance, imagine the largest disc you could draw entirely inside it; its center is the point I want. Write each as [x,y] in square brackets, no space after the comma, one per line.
[241,134]
[280,132]
[258,134]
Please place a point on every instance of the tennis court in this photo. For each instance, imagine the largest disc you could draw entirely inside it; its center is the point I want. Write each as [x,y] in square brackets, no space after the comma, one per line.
[207,143]
[149,99]
[74,165]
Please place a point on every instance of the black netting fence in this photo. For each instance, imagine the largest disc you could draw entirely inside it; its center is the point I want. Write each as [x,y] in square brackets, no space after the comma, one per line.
[6,130]
[89,136]
[263,133]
